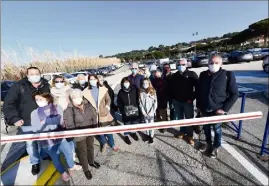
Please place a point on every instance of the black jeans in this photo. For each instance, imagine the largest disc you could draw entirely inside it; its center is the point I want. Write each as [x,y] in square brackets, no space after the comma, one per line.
[85,152]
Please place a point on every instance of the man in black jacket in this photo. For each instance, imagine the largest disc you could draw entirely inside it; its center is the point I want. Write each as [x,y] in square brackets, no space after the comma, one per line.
[81,83]
[18,106]
[182,89]
[217,93]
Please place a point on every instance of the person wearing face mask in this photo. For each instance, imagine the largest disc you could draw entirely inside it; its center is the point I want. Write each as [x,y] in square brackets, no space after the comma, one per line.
[166,76]
[59,91]
[183,86]
[135,78]
[217,93]
[81,115]
[148,105]
[159,85]
[81,82]
[98,97]
[128,104]
[48,117]
[18,106]
[152,69]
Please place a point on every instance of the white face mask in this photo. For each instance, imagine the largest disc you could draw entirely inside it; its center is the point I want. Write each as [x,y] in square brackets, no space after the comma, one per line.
[93,83]
[82,82]
[145,86]
[34,78]
[77,101]
[126,85]
[214,68]
[59,85]
[41,103]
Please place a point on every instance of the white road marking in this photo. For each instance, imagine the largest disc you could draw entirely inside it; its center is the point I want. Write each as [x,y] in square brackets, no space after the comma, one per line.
[262,178]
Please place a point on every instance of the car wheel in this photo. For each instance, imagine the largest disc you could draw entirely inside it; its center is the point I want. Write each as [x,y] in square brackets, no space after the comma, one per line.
[266,68]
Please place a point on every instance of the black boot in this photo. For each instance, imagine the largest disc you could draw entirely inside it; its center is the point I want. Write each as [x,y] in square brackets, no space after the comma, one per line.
[134,135]
[127,140]
[35,169]
[88,175]
[95,165]
[150,140]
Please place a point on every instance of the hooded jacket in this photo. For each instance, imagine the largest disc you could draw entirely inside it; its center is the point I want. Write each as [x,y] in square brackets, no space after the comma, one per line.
[148,104]
[19,102]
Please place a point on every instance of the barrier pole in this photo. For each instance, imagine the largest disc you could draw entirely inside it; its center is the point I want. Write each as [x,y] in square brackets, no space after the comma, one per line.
[265,137]
[130,128]
[242,110]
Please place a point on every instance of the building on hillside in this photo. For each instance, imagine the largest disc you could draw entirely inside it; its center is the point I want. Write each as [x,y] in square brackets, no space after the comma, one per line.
[256,40]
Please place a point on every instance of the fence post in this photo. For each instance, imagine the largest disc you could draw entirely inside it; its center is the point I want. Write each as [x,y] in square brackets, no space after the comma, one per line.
[265,137]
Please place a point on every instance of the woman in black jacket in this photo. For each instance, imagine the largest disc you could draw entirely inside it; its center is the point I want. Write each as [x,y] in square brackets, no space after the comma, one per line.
[129,107]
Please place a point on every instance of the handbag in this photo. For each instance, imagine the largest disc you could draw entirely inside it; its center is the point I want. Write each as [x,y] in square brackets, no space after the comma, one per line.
[131,111]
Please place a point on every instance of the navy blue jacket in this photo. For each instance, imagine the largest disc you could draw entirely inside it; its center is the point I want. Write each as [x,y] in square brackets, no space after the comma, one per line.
[216,91]
[136,80]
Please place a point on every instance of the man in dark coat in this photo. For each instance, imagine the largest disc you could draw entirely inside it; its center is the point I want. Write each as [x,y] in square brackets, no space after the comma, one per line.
[217,93]
[18,106]
[81,83]
[135,78]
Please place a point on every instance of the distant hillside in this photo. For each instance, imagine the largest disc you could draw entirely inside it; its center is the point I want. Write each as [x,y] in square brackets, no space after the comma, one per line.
[227,42]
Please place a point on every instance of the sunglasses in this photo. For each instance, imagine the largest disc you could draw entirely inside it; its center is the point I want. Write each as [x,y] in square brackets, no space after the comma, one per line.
[181,64]
[134,68]
[59,81]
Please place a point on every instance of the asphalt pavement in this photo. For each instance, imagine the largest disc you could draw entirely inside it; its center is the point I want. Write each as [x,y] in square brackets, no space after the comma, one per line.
[171,161]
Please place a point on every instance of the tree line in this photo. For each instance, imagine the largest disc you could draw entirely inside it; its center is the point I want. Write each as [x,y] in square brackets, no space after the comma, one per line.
[226,43]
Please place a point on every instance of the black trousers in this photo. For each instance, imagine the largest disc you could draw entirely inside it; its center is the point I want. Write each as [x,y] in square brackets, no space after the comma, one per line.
[85,152]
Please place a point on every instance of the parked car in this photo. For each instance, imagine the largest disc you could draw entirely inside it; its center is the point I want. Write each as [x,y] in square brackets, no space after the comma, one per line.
[49,76]
[264,52]
[257,55]
[85,73]
[265,64]
[199,61]
[5,86]
[103,71]
[91,71]
[240,56]
[225,58]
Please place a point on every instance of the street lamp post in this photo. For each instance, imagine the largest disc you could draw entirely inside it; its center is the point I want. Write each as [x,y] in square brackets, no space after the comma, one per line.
[196,33]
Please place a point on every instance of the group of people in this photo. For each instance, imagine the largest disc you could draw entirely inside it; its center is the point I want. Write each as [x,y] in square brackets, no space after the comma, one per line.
[35,106]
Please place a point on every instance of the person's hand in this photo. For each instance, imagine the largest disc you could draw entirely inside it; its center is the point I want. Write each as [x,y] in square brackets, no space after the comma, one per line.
[220,112]
[108,108]
[43,122]
[19,123]
[189,101]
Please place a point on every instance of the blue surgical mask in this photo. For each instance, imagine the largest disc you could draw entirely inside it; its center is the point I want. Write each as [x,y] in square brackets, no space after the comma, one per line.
[93,83]
[34,78]
[181,68]
[145,86]
[134,71]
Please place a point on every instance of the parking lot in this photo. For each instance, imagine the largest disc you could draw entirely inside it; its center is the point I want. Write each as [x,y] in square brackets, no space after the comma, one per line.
[173,161]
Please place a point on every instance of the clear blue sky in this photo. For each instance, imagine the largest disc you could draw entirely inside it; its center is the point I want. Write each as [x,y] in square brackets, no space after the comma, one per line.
[94,28]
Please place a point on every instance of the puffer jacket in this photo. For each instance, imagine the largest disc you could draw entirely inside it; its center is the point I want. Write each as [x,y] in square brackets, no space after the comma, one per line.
[104,117]
[148,104]
[76,119]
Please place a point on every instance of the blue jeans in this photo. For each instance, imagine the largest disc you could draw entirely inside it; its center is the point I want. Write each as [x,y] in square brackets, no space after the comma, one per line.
[217,138]
[130,123]
[184,111]
[107,138]
[32,149]
[54,153]
[67,151]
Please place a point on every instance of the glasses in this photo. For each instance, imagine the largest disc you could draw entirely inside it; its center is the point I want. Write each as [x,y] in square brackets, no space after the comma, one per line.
[59,81]
[181,64]
[134,68]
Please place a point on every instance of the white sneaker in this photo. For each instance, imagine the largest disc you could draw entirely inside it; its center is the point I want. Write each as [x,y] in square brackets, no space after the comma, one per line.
[65,176]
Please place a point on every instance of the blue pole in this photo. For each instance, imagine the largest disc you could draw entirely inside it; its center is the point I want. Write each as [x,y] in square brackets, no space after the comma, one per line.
[265,135]
[242,110]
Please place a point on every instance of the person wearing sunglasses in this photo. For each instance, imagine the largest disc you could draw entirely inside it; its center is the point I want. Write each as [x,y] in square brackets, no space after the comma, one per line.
[135,78]
[184,83]
[217,93]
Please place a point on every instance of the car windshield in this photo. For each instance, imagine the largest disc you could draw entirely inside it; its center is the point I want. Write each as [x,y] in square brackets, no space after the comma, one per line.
[68,76]
[202,57]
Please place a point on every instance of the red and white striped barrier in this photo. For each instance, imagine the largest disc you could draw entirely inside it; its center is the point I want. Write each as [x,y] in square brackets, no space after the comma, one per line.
[130,128]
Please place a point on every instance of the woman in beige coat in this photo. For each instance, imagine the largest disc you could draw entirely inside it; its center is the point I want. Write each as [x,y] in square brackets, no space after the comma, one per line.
[99,98]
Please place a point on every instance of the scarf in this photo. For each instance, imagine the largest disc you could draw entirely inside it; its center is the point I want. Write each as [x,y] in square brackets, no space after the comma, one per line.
[62,92]
[41,111]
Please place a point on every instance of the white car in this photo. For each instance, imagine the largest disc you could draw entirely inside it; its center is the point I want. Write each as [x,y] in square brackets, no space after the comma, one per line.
[265,64]
[49,76]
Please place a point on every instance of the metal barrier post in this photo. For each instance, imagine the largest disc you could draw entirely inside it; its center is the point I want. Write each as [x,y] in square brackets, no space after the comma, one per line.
[265,137]
[242,110]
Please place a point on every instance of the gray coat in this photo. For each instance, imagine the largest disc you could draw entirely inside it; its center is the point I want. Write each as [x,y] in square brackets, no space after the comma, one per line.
[76,119]
[147,104]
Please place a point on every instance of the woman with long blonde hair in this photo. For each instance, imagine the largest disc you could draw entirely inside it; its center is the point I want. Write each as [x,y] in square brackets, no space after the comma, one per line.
[148,104]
